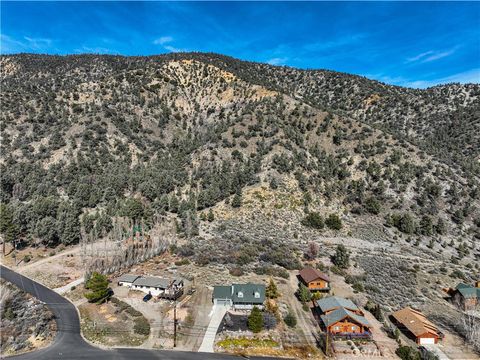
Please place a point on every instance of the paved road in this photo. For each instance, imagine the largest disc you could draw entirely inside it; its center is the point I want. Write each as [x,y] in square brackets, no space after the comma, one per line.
[69,344]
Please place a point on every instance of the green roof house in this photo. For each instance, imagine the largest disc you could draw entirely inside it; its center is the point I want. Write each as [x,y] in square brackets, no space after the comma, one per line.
[467,297]
[239,296]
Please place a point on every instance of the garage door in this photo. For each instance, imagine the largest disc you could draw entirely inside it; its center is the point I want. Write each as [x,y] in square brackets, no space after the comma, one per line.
[426,341]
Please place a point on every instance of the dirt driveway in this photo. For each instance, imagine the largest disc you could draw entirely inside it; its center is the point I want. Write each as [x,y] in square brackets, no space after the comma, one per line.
[386,345]
[306,323]
[193,331]
[154,312]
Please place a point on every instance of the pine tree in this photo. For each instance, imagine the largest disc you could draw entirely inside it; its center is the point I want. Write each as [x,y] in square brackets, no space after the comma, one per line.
[174,204]
[255,320]
[68,224]
[272,290]
[341,257]
[237,200]
[314,220]
[290,319]
[210,216]
[98,286]
[8,229]
[304,294]
[133,208]
[333,222]
[273,184]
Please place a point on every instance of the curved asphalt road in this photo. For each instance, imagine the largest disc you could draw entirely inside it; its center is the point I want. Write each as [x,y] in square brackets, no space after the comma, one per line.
[69,344]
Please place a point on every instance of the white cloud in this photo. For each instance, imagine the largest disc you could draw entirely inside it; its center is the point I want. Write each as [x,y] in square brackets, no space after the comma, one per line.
[277,61]
[9,44]
[439,55]
[431,55]
[465,77]
[419,56]
[174,49]
[163,40]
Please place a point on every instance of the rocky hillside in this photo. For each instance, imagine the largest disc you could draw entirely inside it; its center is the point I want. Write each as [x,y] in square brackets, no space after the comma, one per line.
[201,137]
[444,120]
[26,324]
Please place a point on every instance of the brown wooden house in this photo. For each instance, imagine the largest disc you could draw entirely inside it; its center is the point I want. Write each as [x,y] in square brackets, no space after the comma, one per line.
[416,326]
[341,317]
[314,280]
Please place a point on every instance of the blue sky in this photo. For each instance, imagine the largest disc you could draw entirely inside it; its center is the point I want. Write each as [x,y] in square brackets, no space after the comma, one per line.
[403,43]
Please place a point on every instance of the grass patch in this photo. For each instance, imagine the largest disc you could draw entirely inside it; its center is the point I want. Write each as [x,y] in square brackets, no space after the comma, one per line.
[245,343]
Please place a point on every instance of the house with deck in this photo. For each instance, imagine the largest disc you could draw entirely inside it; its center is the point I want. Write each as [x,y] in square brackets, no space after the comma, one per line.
[314,280]
[416,326]
[239,296]
[341,317]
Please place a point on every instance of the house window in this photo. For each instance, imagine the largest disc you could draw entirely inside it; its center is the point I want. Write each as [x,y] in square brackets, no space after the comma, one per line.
[354,327]
[336,328]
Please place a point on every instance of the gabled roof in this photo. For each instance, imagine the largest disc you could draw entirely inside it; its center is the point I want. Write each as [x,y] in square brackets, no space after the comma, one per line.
[311,274]
[248,291]
[129,278]
[153,281]
[335,302]
[468,291]
[415,321]
[342,313]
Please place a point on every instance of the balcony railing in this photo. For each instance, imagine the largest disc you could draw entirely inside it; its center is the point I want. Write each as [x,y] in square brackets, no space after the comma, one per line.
[364,335]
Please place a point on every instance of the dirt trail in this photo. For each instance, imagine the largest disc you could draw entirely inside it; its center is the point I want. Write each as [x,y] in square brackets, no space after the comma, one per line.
[32,265]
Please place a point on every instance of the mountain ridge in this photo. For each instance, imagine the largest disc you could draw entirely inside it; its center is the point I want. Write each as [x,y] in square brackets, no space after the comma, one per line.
[449,130]
[90,138]
[191,54]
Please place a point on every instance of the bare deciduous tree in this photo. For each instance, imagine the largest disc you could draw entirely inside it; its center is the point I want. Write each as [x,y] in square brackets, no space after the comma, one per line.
[312,251]
[471,328]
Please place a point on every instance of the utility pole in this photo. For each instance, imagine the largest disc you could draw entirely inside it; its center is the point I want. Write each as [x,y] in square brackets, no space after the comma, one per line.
[175,324]
[326,344]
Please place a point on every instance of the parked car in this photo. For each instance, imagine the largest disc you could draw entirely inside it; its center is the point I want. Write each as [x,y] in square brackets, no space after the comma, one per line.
[147,297]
